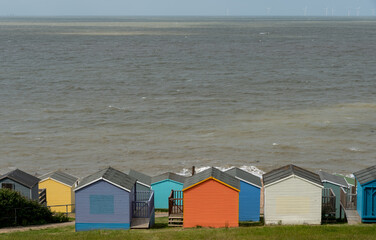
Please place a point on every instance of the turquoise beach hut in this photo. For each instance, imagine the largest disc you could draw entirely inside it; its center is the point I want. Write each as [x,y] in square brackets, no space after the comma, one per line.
[22,182]
[337,184]
[162,186]
[366,194]
[249,195]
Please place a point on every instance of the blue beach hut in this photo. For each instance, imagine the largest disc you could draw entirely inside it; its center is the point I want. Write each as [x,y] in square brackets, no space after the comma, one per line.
[162,186]
[366,193]
[104,200]
[249,195]
[24,183]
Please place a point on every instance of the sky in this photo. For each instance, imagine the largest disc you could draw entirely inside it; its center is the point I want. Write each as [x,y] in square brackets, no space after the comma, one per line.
[187,8]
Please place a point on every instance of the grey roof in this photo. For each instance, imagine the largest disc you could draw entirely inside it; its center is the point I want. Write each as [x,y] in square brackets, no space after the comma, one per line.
[366,175]
[112,175]
[21,177]
[168,175]
[337,180]
[143,178]
[215,173]
[283,172]
[245,176]
[61,177]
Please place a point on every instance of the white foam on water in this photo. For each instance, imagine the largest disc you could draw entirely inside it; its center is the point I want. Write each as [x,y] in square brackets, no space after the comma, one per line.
[251,169]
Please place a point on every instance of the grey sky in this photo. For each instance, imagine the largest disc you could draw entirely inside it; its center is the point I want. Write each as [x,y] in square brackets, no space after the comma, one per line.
[184,7]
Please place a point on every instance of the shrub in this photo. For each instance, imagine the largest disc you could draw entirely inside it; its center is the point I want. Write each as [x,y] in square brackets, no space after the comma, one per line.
[17,210]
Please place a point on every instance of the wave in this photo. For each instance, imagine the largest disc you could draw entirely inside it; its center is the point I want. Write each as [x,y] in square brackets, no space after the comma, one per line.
[251,169]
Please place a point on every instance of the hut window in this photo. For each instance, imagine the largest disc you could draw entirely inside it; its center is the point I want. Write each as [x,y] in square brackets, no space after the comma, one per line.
[101,204]
[7,185]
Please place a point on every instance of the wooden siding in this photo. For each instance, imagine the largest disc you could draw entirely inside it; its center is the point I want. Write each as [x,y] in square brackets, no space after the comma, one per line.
[141,187]
[366,201]
[293,201]
[121,204]
[211,204]
[162,191]
[337,191]
[249,202]
[57,194]
[23,190]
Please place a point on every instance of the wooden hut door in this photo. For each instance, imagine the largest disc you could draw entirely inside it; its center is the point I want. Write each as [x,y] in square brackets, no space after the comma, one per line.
[370,202]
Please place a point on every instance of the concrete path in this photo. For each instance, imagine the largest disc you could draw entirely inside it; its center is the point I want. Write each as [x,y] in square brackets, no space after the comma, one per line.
[37,227]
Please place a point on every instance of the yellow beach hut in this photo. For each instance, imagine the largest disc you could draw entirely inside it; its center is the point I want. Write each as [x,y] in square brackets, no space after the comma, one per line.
[59,190]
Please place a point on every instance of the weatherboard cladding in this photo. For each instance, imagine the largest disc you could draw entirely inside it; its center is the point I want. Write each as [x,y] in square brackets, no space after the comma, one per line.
[168,175]
[286,171]
[366,175]
[60,177]
[22,178]
[112,175]
[246,176]
[337,180]
[215,173]
[143,178]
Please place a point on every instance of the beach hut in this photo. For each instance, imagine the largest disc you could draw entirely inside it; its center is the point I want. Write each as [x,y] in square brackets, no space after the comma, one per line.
[59,190]
[366,194]
[293,195]
[249,195]
[143,180]
[337,184]
[211,199]
[104,200]
[22,182]
[162,186]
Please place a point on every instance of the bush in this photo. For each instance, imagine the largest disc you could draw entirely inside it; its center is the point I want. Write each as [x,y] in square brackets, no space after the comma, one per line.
[17,210]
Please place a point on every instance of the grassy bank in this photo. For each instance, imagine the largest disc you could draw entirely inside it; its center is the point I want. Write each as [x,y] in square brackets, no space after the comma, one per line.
[161,231]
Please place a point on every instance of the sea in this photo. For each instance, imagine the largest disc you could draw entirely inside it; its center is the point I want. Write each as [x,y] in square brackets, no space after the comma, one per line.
[158,94]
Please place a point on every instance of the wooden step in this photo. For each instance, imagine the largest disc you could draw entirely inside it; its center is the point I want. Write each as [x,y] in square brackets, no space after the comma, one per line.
[175,221]
[353,217]
[140,223]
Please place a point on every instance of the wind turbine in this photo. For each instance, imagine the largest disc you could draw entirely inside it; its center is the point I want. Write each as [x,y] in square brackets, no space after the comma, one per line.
[373,11]
[358,11]
[326,11]
[305,10]
[268,11]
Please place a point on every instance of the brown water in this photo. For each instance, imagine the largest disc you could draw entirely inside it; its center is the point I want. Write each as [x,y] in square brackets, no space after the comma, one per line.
[163,94]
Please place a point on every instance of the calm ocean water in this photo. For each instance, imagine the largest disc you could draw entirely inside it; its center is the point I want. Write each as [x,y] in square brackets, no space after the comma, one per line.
[163,94]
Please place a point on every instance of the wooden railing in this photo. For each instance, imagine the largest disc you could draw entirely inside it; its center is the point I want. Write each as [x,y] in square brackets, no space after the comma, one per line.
[348,200]
[42,196]
[69,208]
[175,202]
[143,208]
[328,201]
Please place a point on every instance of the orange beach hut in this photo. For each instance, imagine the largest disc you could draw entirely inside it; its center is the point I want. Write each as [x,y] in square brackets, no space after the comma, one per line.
[211,199]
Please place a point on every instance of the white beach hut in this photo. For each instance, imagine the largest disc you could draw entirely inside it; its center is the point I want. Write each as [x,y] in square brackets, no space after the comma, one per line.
[293,195]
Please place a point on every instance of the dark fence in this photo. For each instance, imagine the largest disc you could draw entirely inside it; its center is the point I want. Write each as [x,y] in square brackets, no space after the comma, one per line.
[328,202]
[143,208]
[175,202]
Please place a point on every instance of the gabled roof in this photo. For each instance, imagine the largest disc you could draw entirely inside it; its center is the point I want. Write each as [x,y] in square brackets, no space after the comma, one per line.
[168,175]
[286,171]
[21,177]
[349,180]
[62,177]
[366,175]
[212,173]
[245,176]
[110,175]
[330,178]
[142,178]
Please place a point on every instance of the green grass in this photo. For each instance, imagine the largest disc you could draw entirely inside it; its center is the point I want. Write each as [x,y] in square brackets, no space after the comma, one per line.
[162,232]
